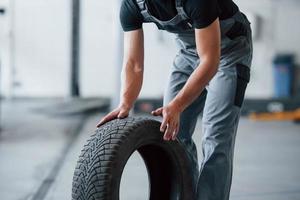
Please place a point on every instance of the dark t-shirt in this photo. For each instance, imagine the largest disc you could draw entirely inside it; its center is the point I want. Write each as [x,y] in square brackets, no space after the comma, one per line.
[201,12]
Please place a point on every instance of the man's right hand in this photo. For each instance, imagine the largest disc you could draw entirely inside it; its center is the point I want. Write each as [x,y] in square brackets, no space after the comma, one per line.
[119,113]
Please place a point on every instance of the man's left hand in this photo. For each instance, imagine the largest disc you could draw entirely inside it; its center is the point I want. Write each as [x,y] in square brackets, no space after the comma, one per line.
[170,122]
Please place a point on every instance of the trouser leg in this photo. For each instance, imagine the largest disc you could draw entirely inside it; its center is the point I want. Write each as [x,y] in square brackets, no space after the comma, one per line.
[225,95]
[188,119]
[221,113]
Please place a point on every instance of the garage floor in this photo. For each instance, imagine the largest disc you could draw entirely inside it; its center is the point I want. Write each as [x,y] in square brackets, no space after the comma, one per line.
[38,153]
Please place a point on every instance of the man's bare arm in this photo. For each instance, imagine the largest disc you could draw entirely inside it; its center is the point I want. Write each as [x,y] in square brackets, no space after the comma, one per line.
[208,48]
[133,66]
[132,75]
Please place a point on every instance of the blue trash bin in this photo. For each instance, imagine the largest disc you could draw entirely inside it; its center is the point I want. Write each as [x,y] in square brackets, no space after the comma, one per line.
[283,68]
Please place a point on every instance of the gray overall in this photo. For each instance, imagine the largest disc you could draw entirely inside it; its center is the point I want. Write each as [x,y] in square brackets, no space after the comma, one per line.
[220,102]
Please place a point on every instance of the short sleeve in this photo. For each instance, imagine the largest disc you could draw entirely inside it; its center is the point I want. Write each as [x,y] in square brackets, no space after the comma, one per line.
[130,16]
[202,12]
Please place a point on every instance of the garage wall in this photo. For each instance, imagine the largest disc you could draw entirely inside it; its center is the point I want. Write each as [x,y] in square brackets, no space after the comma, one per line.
[42,48]
[41,43]
[274,28]
[277,33]
[97,70]
[4,49]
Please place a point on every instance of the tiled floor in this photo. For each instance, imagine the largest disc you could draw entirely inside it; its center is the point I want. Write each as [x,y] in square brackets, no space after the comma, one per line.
[38,154]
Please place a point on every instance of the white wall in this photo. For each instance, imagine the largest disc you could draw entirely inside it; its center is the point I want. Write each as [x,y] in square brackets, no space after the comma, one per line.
[97,70]
[42,48]
[287,28]
[41,37]
[4,49]
[279,33]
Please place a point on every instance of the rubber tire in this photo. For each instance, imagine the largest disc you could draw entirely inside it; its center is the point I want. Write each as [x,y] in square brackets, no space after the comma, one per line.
[99,169]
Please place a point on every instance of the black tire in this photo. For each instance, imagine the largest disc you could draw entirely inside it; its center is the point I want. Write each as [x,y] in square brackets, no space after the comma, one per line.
[102,160]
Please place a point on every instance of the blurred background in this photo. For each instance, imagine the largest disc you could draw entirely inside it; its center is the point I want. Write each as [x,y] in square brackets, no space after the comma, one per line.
[60,64]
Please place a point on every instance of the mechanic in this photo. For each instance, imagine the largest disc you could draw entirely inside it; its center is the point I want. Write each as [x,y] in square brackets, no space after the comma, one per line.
[209,75]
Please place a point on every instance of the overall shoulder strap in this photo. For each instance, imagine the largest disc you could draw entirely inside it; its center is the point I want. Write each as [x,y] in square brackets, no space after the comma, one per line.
[141,4]
[180,9]
[143,8]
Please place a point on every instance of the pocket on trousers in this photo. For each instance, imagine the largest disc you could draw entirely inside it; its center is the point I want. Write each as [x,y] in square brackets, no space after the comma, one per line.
[243,77]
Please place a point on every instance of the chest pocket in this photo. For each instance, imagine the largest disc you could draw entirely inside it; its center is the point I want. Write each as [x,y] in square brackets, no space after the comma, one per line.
[179,23]
[182,26]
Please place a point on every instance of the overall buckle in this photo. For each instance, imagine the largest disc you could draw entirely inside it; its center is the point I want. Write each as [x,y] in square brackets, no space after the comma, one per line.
[141,4]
